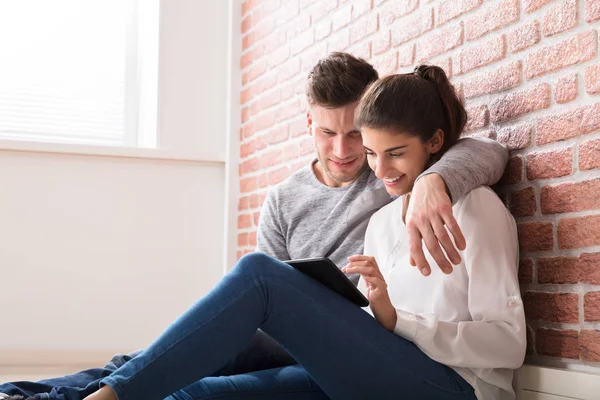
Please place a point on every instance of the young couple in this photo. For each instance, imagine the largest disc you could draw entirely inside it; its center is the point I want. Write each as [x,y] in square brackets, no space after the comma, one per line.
[267,331]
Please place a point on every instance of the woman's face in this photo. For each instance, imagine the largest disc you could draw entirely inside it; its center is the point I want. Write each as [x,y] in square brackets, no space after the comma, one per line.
[398,158]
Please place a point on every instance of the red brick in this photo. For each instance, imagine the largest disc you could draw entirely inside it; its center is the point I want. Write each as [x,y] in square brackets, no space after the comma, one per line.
[278,57]
[265,121]
[256,217]
[525,271]
[502,78]
[248,185]
[307,146]
[535,236]
[252,239]
[575,50]
[262,85]
[524,36]
[361,50]
[592,10]
[450,9]
[552,307]
[242,239]
[298,127]
[566,89]
[517,103]
[481,54]
[406,55]
[309,58]
[591,304]
[278,135]
[570,270]
[275,42]
[320,9]
[253,201]
[529,337]
[589,154]
[322,30]
[571,124]
[570,197]
[339,41]
[302,42]
[298,25]
[478,117]
[412,26]
[245,114]
[243,203]
[271,158]
[360,8]
[516,137]
[248,5]
[514,171]
[363,28]
[386,64]
[439,42]
[382,43]
[393,10]
[249,166]
[256,71]
[550,164]
[579,232]
[589,346]
[278,175]
[240,254]
[488,134]
[247,130]
[592,79]
[560,18]
[253,54]
[522,202]
[244,221]
[492,17]
[263,180]
[555,343]
[266,9]
[341,18]
[532,5]
[246,24]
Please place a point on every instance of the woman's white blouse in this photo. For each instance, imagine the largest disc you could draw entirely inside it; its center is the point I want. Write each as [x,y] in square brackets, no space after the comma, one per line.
[471,320]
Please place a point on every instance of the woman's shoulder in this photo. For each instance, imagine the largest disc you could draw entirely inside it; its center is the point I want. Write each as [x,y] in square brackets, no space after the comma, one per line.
[481,204]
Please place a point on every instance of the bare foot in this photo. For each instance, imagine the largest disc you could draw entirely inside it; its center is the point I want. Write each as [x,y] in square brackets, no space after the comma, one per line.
[106,393]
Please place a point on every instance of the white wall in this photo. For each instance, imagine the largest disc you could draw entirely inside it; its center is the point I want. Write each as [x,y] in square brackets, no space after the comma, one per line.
[101,250]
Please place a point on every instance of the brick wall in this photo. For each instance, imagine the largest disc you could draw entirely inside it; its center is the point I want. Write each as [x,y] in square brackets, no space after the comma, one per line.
[529,72]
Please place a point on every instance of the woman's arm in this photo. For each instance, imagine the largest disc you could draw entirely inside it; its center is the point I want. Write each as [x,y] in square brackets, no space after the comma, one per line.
[496,336]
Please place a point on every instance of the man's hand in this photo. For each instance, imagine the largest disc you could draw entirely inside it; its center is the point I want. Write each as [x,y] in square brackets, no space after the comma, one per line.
[429,213]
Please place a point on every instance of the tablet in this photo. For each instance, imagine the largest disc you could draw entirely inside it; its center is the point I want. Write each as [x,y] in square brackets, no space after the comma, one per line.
[323,270]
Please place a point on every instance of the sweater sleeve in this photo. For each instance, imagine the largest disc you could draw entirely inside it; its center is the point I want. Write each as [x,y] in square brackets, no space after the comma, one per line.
[270,237]
[470,163]
[496,335]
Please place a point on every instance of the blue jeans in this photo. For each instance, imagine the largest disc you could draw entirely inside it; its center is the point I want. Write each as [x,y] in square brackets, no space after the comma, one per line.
[262,353]
[342,352]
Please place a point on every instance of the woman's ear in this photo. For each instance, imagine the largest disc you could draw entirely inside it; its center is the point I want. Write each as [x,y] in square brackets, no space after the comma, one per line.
[436,142]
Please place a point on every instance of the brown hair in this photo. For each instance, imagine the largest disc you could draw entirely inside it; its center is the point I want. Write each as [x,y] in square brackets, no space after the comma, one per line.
[418,103]
[338,80]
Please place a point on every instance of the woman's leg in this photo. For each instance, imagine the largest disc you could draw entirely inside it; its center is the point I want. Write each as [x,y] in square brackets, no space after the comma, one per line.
[348,353]
[286,383]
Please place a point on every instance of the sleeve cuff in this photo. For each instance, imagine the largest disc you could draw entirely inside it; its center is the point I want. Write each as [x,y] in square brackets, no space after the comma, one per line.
[406,325]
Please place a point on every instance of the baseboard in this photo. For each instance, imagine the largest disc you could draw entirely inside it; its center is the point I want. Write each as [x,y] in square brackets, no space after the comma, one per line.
[544,383]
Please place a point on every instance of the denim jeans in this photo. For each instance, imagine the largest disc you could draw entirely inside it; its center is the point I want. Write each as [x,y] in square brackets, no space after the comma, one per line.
[262,353]
[343,353]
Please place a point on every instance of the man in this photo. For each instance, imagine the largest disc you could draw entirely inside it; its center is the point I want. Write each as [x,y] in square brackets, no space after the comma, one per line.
[323,210]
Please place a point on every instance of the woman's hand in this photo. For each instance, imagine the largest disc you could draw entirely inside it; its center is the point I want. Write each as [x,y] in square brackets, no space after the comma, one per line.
[369,270]
[377,289]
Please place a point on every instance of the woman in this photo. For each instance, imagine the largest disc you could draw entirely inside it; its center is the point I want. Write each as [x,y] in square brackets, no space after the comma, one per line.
[457,336]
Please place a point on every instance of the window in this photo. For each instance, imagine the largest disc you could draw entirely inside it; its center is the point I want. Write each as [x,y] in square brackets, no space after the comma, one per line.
[79,71]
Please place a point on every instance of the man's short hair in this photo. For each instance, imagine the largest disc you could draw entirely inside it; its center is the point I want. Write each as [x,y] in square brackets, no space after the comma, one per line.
[338,80]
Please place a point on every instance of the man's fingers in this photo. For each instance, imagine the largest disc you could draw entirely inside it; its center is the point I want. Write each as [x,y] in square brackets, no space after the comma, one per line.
[455,230]
[415,248]
[434,249]
[442,236]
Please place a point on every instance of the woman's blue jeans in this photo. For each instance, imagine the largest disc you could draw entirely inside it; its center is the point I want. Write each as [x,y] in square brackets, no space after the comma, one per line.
[343,353]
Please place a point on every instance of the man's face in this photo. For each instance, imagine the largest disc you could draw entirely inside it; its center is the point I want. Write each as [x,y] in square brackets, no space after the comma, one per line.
[338,143]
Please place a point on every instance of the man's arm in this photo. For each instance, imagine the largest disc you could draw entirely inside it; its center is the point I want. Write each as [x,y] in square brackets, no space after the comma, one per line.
[468,164]
[270,238]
